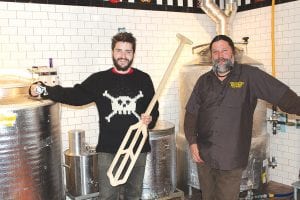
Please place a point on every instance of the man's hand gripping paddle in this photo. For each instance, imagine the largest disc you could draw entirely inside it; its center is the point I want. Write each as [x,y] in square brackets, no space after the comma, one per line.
[126,157]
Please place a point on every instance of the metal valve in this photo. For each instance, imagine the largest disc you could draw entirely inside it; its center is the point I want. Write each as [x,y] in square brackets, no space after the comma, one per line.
[272,162]
[274,120]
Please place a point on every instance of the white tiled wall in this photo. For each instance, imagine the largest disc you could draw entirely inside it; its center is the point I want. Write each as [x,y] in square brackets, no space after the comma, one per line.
[256,24]
[78,39]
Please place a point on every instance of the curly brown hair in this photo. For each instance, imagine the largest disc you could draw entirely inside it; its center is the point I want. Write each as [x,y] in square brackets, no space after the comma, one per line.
[123,37]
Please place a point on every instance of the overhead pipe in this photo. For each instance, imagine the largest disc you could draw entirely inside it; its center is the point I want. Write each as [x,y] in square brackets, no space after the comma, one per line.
[223,19]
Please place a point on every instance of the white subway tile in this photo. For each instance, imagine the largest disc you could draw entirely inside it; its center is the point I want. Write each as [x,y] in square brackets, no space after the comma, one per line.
[48,39]
[69,16]
[41,47]
[15,6]
[78,54]
[32,7]
[6,63]
[34,55]
[40,15]
[74,121]
[48,8]
[56,31]
[84,17]
[63,24]
[7,30]
[62,8]
[54,16]
[76,9]
[77,39]
[33,23]
[48,23]
[3,5]
[40,31]
[17,22]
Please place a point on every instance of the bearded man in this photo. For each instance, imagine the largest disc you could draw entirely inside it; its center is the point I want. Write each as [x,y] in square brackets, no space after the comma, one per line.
[121,94]
[219,117]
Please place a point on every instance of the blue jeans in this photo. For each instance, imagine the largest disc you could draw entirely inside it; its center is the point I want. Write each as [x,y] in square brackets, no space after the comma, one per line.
[131,190]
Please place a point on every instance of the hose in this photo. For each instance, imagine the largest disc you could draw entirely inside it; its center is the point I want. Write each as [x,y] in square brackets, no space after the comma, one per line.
[270,195]
[251,196]
[284,194]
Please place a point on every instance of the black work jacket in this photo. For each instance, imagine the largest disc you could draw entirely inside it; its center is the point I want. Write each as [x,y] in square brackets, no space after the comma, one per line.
[224,111]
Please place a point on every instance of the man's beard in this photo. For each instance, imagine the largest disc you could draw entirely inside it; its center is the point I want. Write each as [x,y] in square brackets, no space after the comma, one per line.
[119,67]
[222,68]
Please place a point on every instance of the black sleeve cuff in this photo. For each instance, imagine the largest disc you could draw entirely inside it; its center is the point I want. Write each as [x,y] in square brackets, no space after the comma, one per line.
[290,102]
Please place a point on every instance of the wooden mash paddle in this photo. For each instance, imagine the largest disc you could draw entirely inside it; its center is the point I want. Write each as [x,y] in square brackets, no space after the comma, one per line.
[125,153]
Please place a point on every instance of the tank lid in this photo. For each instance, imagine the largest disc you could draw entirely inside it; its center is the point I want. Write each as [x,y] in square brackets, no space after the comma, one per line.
[8,81]
[14,93]
[13,86]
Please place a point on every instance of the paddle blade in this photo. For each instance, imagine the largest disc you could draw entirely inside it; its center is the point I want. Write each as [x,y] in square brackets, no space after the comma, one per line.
[127,155]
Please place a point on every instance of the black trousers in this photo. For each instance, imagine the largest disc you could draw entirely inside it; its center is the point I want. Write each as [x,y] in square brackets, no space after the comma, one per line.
[219,184]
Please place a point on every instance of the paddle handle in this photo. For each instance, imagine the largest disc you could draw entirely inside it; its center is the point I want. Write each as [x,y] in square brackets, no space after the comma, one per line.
[183,41]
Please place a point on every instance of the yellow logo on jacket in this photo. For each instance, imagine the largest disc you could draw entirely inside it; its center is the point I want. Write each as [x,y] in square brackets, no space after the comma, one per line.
[238,84]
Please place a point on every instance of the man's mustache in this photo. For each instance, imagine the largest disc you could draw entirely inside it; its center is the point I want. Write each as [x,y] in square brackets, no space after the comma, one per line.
[122,59]
[221,60]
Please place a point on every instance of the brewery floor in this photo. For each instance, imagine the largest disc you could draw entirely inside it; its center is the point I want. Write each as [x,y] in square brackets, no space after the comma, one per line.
[272,187]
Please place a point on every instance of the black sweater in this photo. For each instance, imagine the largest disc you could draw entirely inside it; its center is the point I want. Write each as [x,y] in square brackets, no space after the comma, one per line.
[120,100]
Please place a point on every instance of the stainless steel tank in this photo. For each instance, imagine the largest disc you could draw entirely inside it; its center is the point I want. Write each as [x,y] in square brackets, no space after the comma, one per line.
[81,166]
[30,145]
[187,169]
[160,173]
